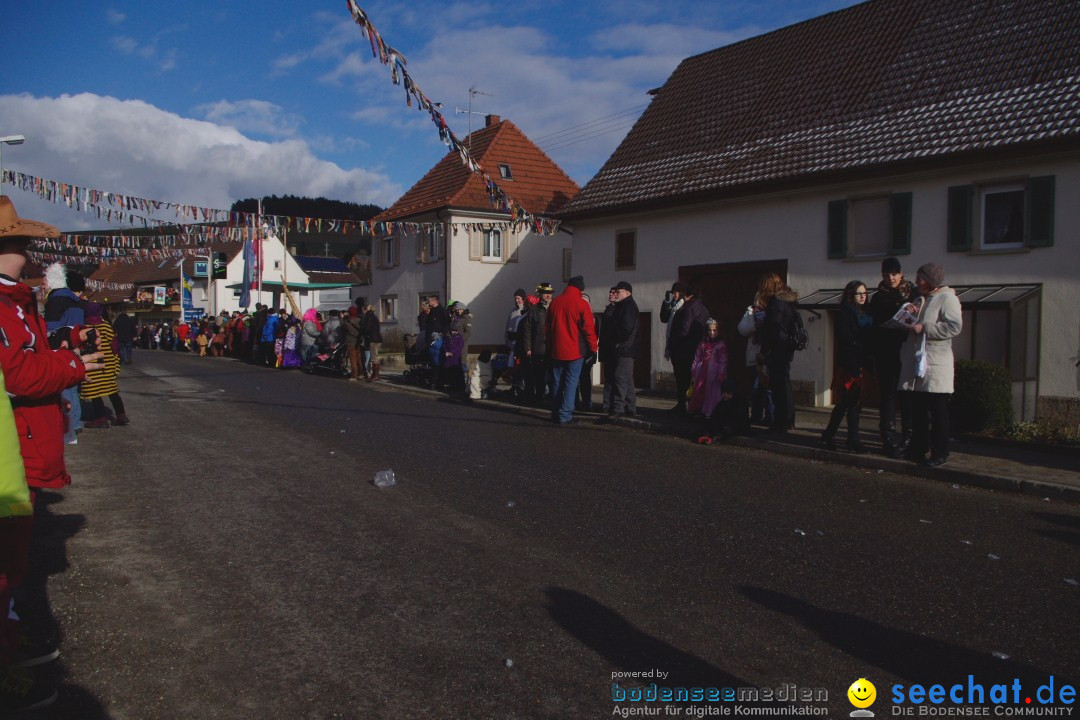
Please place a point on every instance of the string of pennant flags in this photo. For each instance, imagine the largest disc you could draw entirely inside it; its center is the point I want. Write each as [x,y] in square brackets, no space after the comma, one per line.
[387,55]
[202,225]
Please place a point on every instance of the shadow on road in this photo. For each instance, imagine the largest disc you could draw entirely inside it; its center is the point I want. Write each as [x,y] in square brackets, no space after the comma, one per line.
[625,646]
[907,655]
[48,556]
[1069,536]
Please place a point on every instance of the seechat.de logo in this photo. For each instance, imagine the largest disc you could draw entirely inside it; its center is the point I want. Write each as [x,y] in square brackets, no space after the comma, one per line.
[862,695]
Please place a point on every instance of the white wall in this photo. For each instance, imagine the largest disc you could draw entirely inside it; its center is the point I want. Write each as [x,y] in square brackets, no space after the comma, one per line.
[794,226]
[487,288]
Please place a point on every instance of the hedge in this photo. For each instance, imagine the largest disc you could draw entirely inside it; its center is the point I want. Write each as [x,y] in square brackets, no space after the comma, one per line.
[982,397]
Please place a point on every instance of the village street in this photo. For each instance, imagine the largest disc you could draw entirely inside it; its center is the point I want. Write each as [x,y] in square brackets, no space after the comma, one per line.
[227,556]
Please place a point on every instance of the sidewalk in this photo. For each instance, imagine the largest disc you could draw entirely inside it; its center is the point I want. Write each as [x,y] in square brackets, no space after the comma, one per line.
[1052,473]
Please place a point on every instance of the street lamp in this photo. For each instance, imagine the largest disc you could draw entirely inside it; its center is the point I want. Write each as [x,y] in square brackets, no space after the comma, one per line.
[8,140]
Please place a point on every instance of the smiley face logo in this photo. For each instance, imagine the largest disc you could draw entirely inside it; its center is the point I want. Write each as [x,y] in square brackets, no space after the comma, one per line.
[862,693]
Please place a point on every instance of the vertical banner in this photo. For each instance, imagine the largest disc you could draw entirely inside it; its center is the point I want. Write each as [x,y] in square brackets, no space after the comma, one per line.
[248,280]
[186,290]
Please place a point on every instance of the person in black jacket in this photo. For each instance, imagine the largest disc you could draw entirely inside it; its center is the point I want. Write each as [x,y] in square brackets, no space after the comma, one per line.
[619,344]
[124,327]
[688,327]
[534,344]
[892,294]
[438,327]
[853,328]
[777,345]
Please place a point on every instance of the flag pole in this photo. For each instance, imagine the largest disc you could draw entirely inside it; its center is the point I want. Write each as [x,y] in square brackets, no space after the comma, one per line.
[259,247]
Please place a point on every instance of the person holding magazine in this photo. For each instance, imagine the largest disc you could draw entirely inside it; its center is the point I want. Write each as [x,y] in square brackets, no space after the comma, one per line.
[893,294]
[927,365]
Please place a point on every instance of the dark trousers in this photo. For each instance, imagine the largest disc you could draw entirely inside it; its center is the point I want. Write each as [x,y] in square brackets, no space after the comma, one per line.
[681,365]
[888,369]
[536,378]
[99,405]
[780,384]
[585,386]
[929,424]
[267,355]
[847,403]
[623,394]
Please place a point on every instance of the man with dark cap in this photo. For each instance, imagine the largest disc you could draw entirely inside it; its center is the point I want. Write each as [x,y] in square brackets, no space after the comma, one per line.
[673,300]
[534,344]
[893,292]
[619,345]
[571,335]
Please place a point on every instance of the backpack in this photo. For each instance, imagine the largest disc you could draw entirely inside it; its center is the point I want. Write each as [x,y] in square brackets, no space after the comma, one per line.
[798,338]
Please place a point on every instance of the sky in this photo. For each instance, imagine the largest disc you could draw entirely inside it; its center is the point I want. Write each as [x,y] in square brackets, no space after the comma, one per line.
[209,101]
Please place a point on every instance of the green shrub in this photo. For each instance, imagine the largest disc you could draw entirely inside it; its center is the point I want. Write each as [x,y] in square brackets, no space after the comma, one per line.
[982,398]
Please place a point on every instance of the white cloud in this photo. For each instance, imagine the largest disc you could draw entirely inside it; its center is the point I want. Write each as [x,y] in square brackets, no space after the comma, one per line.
[258,116]
[149,51]
[131,147]
[114,17]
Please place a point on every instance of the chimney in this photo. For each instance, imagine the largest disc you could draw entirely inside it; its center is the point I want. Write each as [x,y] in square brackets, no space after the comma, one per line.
[492,120]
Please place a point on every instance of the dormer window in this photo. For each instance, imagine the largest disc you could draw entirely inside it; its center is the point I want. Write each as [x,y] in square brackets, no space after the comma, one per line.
[504,172]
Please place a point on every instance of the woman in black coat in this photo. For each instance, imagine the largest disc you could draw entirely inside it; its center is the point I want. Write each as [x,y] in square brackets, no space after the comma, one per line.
[853,327]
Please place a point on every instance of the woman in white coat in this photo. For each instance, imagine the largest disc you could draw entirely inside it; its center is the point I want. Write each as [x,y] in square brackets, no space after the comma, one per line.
[927,366]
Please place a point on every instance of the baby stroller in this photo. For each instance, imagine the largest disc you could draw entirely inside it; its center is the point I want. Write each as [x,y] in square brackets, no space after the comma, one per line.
[418,360]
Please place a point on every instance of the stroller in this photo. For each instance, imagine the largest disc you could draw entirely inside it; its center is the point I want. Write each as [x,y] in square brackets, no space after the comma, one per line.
[334,362]
[418,359]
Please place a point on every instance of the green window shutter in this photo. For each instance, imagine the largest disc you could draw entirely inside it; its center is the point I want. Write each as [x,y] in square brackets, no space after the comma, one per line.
[900,210]
[961,209]
[1039,212]
[837,229]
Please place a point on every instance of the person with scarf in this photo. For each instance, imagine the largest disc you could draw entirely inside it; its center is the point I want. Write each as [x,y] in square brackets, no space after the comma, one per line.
[893,293]
[853,326]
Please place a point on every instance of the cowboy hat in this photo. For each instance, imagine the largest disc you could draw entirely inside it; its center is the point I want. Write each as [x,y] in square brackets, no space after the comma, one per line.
[11,225]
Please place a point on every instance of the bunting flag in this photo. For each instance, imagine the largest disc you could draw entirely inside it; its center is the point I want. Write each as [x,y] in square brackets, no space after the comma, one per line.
[131,210]
[400,76]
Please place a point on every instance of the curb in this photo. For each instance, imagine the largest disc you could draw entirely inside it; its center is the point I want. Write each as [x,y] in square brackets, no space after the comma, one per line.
[1035,488]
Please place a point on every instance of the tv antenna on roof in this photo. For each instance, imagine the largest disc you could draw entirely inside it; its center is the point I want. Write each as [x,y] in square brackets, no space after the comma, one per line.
[473,92]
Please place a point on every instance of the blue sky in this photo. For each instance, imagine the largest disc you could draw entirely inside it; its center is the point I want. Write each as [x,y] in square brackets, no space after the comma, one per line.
[208,101]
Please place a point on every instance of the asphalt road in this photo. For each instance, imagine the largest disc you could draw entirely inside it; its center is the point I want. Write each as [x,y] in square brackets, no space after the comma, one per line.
[227,556]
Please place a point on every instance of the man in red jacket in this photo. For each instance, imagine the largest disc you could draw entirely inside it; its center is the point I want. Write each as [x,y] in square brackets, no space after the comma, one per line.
[571,335]
[34,376]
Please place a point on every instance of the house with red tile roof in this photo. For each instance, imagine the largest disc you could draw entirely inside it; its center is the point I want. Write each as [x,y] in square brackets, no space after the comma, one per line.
[941,131]
[445,238]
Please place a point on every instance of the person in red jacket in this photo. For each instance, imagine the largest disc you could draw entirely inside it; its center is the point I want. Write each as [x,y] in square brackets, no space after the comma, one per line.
[571,336]
[34,376]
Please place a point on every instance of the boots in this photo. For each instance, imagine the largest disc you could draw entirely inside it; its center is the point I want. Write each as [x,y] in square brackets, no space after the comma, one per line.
[374,372]
[121,419]
[97,423]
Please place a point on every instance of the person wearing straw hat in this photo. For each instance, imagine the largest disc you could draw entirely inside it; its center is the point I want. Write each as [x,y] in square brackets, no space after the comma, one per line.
[34,376]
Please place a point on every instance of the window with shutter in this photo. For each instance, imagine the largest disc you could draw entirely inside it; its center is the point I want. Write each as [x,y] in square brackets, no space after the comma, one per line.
[959,219]
[626,250]
[838,229]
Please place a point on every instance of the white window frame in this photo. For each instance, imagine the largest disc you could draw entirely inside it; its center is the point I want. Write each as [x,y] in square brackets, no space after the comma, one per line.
[388,308]
[489,242]
[988,190]
[434,242]
[389,246]
[505,173]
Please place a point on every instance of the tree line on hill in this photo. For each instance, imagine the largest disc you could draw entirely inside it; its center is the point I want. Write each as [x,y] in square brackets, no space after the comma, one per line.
[320,207]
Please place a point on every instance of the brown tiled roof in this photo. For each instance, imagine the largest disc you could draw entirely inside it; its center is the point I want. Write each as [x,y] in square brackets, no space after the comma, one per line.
[879,84]
[539,185]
